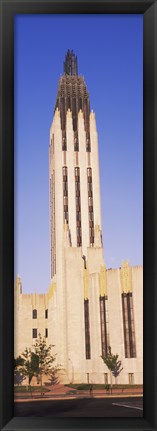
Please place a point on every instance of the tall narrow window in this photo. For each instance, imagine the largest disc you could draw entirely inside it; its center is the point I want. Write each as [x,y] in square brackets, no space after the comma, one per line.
[63,122]
[90,206]
[46,314]
[52,222]
[64,144]
[46,332]
[76,142]
[65,194]
[128,325]
[103,322]
[88,144]
[34,333]
[87,329]
[78,207]
[34,314]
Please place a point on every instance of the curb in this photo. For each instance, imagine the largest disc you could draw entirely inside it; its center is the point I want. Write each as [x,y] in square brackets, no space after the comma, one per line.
[61,397]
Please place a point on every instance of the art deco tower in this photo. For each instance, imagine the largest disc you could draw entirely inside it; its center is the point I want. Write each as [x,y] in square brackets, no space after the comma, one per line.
[75,209]
[74,169]
[86,308]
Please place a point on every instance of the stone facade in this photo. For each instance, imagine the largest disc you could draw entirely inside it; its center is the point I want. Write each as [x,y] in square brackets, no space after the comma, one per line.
[89,308]
[80,283]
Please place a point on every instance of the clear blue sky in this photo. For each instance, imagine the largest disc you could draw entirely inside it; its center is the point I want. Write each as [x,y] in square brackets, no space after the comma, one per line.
[110,57]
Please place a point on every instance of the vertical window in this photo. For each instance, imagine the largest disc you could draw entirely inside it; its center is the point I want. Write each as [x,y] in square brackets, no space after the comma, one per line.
[103,323]
[80,103]
[128,325]
[88,144]
[131,325]
[131,378]
[87,329]
[46,332]
[76,142]
[65,194]
[90,206]
[34,333]
[34,314]
[74,114]
[64,144]
[63,122]
[46,314]
[52,223]
[68,102]
[78,207]
[125,325]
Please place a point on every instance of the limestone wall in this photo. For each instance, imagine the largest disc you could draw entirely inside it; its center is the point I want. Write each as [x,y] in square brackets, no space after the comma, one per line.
[80,283]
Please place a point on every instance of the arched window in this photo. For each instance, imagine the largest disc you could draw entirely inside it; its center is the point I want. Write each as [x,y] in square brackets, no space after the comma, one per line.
[34,314]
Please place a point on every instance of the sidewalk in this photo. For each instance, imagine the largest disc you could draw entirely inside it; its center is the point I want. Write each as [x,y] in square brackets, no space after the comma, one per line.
[66,392]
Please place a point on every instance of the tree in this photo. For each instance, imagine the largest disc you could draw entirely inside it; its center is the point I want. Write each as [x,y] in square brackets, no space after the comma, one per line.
[18,361]
[18,376]
[37,362]
[113,364]
[45,359]
[27,365]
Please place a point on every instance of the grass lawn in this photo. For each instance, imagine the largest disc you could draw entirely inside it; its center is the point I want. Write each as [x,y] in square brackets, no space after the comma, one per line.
[28,389]
[86,386]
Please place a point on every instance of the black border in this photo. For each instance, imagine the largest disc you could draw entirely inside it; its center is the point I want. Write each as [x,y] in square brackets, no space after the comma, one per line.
[8,8]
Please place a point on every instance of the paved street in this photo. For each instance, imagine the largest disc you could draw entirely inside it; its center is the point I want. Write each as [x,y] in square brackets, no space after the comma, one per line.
[83,407]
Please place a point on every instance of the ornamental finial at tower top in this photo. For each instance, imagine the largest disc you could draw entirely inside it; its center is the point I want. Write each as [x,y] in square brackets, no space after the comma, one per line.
[70,63]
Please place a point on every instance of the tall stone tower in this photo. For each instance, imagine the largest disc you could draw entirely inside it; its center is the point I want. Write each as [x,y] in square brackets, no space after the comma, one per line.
[87,308]
[74,169]
[75,213]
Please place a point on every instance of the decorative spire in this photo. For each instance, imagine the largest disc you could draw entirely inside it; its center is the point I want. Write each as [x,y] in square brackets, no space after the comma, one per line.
[73,95]
[70,64]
